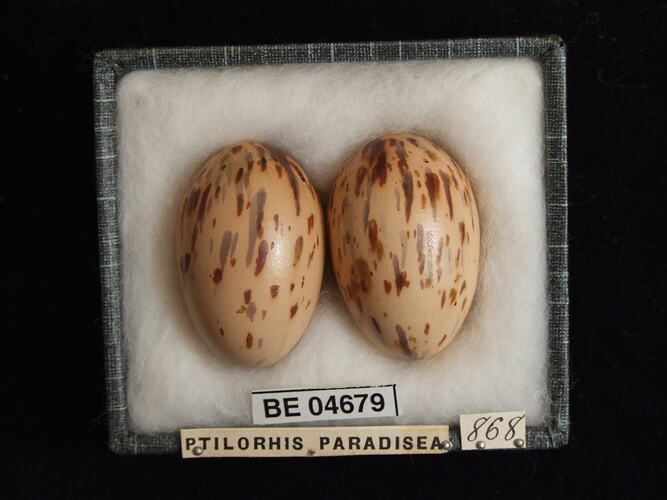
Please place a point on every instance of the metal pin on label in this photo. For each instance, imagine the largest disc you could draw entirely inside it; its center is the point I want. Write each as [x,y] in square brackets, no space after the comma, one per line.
[197,451]
[519,443]
[446,446]
[480,445]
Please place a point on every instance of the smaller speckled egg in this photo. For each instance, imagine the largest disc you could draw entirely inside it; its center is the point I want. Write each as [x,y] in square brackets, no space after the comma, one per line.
[250,248]
[404,237]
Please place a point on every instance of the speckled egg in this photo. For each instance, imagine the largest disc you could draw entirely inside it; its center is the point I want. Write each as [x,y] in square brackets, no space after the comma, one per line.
[404,239]
[250,247]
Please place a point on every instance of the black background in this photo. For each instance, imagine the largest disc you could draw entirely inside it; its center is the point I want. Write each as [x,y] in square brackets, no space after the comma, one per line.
[55,442]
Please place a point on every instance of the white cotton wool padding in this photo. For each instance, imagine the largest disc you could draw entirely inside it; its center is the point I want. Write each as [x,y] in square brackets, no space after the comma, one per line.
[487,113]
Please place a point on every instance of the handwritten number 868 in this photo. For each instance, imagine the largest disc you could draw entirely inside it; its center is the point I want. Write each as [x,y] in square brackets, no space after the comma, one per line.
[493,429]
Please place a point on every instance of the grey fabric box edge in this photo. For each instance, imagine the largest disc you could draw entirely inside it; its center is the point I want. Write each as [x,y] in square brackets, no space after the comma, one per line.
[111,65]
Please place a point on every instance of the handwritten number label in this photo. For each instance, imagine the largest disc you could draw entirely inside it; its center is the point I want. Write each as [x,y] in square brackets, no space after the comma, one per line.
[495,430]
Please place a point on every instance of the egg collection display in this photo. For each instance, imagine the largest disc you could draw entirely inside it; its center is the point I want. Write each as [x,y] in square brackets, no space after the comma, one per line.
[404,239]
[250,246]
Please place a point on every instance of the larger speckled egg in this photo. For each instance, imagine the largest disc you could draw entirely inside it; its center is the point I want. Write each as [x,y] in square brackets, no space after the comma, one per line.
[404,239]
[250,246]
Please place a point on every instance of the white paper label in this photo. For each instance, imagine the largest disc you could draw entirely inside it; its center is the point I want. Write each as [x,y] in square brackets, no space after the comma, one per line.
[308,405]
[314,441]
[493,431]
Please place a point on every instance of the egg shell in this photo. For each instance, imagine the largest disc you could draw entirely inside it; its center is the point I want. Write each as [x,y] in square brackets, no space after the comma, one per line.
[404,237]
[250,247]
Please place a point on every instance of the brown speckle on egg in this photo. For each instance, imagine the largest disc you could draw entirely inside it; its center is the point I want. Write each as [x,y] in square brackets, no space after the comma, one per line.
[250,311]
[400,277]
[261,257]
[452,296]
[185,263]
[298,248]
[377,327]
[239,204]
[403,341]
